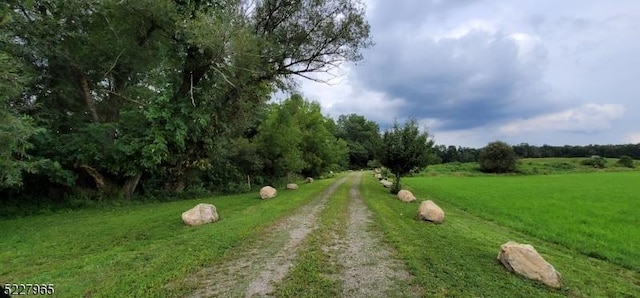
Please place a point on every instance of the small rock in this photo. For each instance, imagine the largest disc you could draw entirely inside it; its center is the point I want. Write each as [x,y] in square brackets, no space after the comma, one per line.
[386,183]
[268,192]
[200,214]
[308,180]
[292,186]
[429,211]
[378,176]
[523,259]
[406,196]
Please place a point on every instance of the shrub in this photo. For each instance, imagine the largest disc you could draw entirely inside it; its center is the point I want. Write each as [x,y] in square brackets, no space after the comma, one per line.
[626,161]
[372,164]
[595,161]
[497,157]
[396,187]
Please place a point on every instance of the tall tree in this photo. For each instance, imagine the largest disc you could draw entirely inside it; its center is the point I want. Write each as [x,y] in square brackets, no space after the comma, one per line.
[126,88]
[296,138]
[405,149]
[362,136]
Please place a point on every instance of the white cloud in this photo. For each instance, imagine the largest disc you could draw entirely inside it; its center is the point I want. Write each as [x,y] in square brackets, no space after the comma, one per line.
[588,118]
[633,138]
[343,96]
[489,26]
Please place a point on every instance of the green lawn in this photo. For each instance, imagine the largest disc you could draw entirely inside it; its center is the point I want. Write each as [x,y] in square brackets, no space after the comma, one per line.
[597,214]
[458,257]
[135,250]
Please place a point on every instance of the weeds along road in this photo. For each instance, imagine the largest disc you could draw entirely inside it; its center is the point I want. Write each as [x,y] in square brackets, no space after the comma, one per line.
[365,264]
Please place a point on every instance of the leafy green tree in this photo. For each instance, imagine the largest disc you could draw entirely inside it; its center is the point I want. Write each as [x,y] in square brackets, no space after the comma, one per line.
[280,138]
[15,131]
[296,138]
[18,130]
[362,137]
[626,161]
[497,157]
[405,149]
[133,89]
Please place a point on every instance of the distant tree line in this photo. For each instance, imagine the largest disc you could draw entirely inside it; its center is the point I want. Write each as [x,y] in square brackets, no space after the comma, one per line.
[446,154]
[525,150]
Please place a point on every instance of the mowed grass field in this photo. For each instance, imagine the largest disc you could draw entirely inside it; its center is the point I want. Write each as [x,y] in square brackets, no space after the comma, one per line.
[598,214]
[564,217]
[135,251]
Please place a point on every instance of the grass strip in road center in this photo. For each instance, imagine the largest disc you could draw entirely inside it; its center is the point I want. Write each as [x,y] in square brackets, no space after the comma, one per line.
[315,272]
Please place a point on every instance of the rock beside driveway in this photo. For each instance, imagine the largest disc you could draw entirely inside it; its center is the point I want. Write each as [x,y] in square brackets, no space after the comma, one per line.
[429,211]
[200,214]
[406,196]
[268,192]
[523,259]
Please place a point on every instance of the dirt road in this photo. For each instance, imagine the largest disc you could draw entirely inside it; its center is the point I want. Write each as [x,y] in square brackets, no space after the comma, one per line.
[369,269]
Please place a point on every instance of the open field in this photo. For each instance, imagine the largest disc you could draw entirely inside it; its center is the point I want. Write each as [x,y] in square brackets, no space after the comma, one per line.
[597,214]
[458,257]
[134,251]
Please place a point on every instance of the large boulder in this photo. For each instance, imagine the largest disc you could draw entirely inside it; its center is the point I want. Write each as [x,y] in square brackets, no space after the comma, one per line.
[429,211]
[268,192]
[406,196]
[523,259]
[200,214]
[308,180]
[292,186]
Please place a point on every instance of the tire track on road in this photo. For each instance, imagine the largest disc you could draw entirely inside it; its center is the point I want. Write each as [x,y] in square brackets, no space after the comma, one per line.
[255,270]
[370,268]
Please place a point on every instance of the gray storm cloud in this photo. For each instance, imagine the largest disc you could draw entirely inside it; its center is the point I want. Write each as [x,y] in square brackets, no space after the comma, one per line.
[467,81]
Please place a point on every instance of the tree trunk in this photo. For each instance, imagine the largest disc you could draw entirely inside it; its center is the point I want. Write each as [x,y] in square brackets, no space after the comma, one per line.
[97,177]
[130,185]
[88,98]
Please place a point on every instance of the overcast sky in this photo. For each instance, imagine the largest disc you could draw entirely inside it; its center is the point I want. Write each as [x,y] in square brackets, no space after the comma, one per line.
[473,71]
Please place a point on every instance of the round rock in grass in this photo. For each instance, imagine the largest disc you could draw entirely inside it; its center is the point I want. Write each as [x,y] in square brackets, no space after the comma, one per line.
[523,259]
[406,196]
[200,214]
[429,211]
[292,186]
[268,192]
[308,180]
[386,183]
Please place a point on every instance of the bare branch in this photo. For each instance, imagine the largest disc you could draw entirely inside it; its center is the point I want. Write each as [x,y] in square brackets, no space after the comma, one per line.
[114,64]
